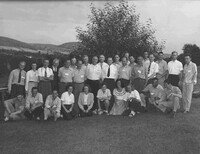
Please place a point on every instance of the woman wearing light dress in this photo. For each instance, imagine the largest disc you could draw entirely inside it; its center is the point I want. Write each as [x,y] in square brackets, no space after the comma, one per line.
[119,105]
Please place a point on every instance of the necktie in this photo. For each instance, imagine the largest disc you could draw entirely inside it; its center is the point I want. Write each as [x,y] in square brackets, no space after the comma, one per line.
[45,73]
[108,73]
[149,67]
[19,78]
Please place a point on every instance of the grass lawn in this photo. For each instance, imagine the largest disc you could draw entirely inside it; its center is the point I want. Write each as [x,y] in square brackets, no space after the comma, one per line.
[148,133]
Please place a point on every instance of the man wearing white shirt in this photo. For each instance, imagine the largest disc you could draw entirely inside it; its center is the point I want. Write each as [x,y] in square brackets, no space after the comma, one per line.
[31,79]
[189,80]
[45,77]
[175,69]
[55,68]
[101,63]
[117,63]
[110,74]
[152,69]
[94,74]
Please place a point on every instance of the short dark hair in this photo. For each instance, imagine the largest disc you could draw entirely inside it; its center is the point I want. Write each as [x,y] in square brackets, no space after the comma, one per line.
[120,81]
[70,85]
[174,52]
[187,55]
[86,85]
[160,53]
[168,81]
[34,88]
[155,79]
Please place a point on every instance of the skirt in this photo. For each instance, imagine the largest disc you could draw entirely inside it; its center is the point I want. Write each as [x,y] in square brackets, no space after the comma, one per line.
[118,107]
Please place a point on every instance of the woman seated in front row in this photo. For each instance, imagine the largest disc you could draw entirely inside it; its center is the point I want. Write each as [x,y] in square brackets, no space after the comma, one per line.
[85,102]
[67,104]
[133,101]
[119,105]
[103,98]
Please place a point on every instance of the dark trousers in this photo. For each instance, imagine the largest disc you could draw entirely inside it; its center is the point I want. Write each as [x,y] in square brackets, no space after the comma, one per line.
[95,86]
[125,82]
[37,112]
[150,81]
[110,83]
[17,89]
[139,84]
[70,115]
[174,79]
[63,86]
[44,87]
[135,106]
[83,114]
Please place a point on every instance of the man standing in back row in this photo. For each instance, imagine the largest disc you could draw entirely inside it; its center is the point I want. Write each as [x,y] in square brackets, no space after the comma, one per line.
[94,74]
[175,69]
[189,80]
[16,81]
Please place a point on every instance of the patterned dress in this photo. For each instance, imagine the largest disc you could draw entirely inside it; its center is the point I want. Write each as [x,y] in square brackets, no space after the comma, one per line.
[119,105]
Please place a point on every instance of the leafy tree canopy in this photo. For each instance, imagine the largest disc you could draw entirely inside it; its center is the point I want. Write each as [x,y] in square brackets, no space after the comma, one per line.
[117,29]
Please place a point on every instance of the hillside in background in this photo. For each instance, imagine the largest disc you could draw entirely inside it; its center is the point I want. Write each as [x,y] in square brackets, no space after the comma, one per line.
[12,44]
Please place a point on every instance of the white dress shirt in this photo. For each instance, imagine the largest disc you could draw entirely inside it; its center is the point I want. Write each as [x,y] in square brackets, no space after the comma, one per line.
[41,72]
[67,99]
[93,72]
[175,67]
[31,76]
[102,65]
[113,72]
[153,69]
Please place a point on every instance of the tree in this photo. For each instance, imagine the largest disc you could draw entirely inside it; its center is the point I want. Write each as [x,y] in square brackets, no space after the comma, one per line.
[194,50]
[115,30]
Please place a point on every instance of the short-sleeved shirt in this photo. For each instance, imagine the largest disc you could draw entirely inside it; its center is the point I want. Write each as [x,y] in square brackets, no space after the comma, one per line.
[162,66]
[79,75]
[19,105]
[124,72]
[118,65]
[41,72]
[154,92]
[190,73]
[174,90]
[101,94]
[67,99]
[66,74]
[139,71]
[175,67]
[32,101]
[133,94]
[153,69]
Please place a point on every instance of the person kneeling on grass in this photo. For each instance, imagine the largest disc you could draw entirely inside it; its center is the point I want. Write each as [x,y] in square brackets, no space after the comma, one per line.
[133,101]
[14,108]
[151,94]
[85,102]
[169,102]
[34,105]
[67,101]
[103,97]
[52,106]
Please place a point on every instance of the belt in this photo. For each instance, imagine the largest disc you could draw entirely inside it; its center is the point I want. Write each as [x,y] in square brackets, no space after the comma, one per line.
[78,83]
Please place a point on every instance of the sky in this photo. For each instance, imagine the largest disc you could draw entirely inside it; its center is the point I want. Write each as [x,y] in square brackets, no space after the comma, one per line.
[176,22]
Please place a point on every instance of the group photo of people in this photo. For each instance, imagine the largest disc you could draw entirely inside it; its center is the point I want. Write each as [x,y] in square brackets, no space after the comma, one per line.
[124,86]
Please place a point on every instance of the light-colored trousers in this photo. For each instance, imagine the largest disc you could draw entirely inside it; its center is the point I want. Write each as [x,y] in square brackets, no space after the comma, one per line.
[172,104]
[48,113]
[78,88]
[11,108]
[187,95]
